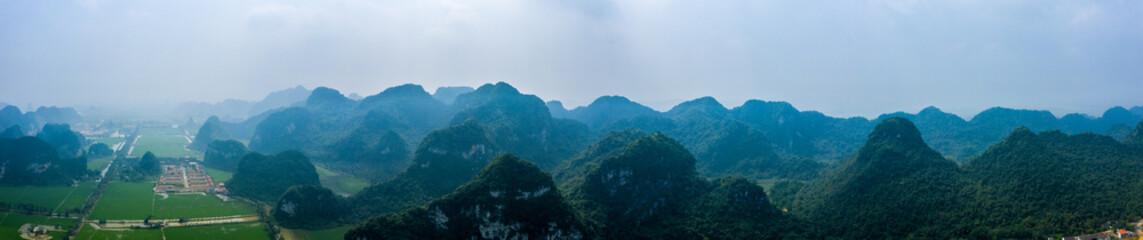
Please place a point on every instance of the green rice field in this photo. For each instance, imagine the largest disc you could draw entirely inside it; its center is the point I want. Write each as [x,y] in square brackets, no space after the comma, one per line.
[10,224]
[48,197]
[89,233]
[125,201]
[219,176]
[340,183]
[198,206]
[243,231]
[137,201]
[332,233]
[97,164]
[163,142]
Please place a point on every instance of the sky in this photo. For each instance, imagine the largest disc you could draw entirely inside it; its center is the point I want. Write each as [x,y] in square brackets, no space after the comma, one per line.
[843,58]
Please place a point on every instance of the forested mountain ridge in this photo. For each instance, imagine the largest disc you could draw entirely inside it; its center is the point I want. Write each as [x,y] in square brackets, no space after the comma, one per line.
[895,186]
[1033,185]
[652,191]
[509,199]
[446,159]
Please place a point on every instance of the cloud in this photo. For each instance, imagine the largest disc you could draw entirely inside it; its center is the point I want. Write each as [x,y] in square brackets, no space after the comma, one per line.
[844,58]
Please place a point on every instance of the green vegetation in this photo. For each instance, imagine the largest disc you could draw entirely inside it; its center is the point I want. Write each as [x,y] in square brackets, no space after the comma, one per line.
[163,142]
[69,144]
[266,177]
[46,199]
[651,191]
[109,141]
[509,199]
[98,164]
[125,201]
[446,159]
[330,233]
[340,183]
[521,124]
[78,197]
[310,207]
[99,150]
[899,186]
[289,129]
[195,205]
[224,154]
[219,176]
[210,131]
[243,231]
[145,169]
[39,163]
[10,224]
[89,233]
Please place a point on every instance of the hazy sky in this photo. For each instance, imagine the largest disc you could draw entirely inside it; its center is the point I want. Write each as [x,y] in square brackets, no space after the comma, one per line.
[844,58]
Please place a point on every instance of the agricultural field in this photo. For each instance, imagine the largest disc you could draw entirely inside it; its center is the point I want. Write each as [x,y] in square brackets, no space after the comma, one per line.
[125,201]
[195,205]
[10,224]
[97,164]
[90,233]
[343,184]
[332,233]
[240,231]
[48,197]
[219,176]
[163,142]
[137,201]
[110,141]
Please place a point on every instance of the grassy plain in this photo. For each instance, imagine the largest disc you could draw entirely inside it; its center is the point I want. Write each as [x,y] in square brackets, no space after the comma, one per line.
[89,233]
[219,176]
[197,206]
[243,231]
[332,233]
[125,201]
[48,197]
[10,224]
[163,142]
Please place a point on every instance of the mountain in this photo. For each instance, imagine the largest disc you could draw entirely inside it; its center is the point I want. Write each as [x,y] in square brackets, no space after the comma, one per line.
[224,154]
[509,199]
[11,116]
[723,146]
[69,144]
[237,110]
[210,131]
[895,187]
[607,109]
[1135,138]
[446,159]
[279,99]
[1037,185]
[556,108]
[521,124]
[266,177]
[290,129]
[13,132]
[652,191]
[32,161]
[448,94]
[572,171]
[323,99]
[309,207]
[373,150]
[806,134]
[736,208]
[705,107]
